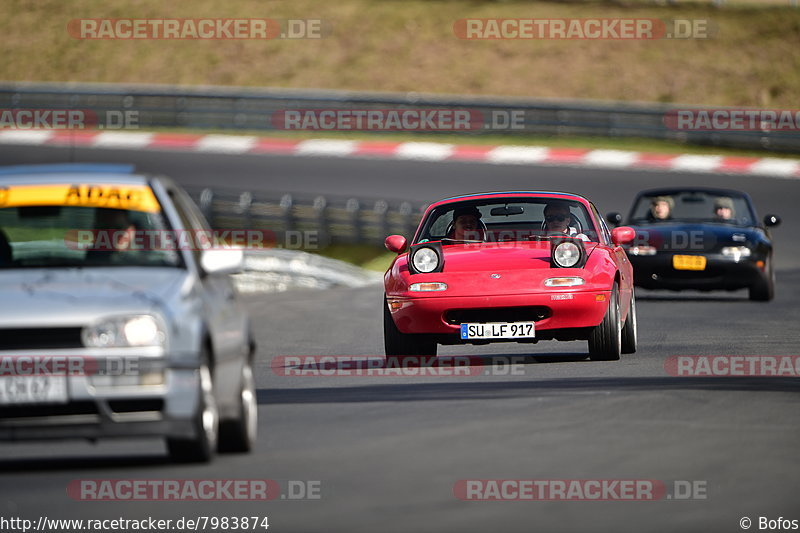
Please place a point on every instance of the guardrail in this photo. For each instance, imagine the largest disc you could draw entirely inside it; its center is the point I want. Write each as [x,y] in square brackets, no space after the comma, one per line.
[309,222]
[253,109]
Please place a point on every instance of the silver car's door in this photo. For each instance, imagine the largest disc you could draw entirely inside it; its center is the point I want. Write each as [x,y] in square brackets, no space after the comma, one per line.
[226,318]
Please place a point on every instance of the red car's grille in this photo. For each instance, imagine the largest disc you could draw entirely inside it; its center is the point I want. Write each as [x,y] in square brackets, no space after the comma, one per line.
[497,314]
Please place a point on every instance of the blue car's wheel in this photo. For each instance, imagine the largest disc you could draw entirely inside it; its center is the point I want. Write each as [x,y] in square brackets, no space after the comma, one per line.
[763,290]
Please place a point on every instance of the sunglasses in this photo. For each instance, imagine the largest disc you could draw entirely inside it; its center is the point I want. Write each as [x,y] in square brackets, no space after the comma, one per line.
[554,218]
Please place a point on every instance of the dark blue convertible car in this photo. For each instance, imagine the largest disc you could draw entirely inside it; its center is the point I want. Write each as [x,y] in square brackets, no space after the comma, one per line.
[700,238]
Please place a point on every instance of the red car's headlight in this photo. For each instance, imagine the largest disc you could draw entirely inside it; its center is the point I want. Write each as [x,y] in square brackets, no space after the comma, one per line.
[567,253]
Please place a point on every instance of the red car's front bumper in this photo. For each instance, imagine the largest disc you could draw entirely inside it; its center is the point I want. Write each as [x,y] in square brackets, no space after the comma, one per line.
[553,310]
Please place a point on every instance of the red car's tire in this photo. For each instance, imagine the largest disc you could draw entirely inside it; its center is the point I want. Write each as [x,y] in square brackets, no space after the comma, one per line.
[630,331]
[605,341]
[401,347]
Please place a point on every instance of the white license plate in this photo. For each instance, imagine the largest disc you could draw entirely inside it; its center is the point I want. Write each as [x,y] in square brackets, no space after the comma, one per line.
[19,390]
[498,330]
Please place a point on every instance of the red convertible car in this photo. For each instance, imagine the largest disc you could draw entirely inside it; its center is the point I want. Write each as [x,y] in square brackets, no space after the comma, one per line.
[510,267]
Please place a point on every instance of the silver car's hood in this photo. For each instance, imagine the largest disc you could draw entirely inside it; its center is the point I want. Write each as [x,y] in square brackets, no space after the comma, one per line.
[74,296]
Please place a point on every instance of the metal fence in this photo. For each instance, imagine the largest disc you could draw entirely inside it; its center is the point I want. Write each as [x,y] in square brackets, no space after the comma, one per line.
[304,221]
[253,110]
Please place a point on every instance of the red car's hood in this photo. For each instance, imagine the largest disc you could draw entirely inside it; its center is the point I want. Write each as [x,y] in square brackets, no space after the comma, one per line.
[497,269]
[499,256]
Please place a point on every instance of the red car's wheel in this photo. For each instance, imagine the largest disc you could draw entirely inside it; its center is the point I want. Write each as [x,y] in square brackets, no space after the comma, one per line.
[605,342]
[400,346]
[630,331]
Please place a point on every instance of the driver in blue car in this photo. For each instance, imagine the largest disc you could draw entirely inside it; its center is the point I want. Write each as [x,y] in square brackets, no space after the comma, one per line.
[723,209]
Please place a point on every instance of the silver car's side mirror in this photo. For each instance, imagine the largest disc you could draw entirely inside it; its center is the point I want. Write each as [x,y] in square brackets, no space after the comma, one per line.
[222,261]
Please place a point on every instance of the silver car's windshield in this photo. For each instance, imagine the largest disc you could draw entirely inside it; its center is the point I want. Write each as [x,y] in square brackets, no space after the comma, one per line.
[33,236]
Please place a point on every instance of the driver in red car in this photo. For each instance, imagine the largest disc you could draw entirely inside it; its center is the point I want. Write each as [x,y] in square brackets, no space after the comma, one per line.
[557,219]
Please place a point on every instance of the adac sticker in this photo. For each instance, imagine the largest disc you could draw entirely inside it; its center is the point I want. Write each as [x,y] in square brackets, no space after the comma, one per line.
[131,197]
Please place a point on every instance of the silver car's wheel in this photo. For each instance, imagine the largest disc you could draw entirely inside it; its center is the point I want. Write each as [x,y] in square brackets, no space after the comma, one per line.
[201,448]
[239,435]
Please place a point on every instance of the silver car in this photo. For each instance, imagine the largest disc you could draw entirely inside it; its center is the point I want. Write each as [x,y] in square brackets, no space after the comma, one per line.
[99,338]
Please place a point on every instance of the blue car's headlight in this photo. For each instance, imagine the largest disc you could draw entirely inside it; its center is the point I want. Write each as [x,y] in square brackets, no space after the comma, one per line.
[116,332]
[736,252]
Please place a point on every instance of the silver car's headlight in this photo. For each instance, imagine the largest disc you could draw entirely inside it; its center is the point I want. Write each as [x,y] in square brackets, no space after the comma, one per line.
[116,332]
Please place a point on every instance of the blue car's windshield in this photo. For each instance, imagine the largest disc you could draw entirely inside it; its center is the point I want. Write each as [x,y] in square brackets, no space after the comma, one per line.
[693,206]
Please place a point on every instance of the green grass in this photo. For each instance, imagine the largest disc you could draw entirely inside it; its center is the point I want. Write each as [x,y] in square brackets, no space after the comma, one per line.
[390,45]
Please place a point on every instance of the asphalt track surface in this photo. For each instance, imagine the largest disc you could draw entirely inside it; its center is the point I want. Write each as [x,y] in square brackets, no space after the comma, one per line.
[388,451]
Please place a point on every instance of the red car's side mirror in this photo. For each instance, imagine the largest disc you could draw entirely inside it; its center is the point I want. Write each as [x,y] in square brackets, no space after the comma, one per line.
[395,243]
[622,235]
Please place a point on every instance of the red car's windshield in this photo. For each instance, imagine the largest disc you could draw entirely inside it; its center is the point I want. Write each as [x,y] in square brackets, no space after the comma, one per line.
[507,219]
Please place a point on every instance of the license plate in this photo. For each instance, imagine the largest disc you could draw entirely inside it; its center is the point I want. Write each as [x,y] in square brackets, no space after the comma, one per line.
[689,262]
[18,390]
[498,330]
